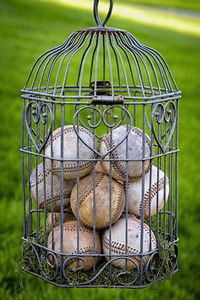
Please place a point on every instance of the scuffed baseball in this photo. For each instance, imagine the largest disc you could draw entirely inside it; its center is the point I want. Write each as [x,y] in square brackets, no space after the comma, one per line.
[54,219]
[49,184]
[156,192]
[99,167]
[117,243]
[97,188]
[89,242]
[71,143]
[134,143]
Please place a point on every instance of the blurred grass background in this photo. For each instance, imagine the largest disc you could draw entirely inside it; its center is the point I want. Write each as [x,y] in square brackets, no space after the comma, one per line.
[28,28]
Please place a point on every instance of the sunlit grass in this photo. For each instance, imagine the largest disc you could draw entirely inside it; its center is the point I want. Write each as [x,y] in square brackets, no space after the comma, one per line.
[143,15]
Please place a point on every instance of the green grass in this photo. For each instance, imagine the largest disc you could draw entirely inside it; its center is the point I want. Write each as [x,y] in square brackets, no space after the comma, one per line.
[27,29]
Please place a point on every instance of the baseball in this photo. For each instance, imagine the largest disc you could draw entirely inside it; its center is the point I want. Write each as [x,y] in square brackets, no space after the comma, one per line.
[117,243]
[131,148]
[156,192]
[73,149]
[88,243]
[54,219]
[107,197]
[45,188]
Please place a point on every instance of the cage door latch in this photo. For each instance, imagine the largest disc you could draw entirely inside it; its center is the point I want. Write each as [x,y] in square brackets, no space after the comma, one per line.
[104,99]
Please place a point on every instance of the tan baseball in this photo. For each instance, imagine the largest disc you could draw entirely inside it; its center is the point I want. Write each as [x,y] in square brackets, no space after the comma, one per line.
[117,243]
[54,219]
[45,183]
[156,192]
[97,189]
[71,148]
[88,243]
[134,152]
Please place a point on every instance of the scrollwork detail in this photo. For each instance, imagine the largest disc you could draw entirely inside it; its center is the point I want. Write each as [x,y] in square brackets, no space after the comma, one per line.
[109,117]
[164,118]
[37,115]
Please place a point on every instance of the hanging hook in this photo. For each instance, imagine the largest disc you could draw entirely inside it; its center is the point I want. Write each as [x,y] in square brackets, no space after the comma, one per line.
[96,13]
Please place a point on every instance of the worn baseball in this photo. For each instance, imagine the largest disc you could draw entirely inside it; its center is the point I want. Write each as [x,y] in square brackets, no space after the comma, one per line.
[77,156]
[46,189]
[102,191]
[89,243]
[130,147]
[156,192]
[117,243]
[54,219]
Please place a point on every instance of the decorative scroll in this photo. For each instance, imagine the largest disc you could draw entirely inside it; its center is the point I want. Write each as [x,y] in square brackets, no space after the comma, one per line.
[38,261]
[39,120]
[164,118]
[103,119]
[55,267]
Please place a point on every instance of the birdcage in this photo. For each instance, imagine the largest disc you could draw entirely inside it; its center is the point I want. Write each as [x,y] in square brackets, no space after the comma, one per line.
[100,162]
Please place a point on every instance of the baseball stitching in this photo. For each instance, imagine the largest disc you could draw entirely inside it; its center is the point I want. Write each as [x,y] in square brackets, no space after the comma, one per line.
[121,249]
[72,227]
[119,206]
[117,166]
[156,187]
[55,200]
[85,192]
[70,168]
[40,177]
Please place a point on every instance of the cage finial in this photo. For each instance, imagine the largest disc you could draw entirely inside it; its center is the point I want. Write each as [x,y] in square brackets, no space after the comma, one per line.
[96,13]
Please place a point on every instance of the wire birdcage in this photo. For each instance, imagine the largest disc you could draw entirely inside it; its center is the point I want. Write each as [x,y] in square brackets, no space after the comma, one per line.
[100,162]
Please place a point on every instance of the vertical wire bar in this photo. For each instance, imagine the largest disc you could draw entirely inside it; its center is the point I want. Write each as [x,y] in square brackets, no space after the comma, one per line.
[45,198]
[79,83]
[62,144]
[78,196]
[126,196]
[142,194]
[104,59]
[171,195]
[37,199]
[23,172]
[51,188]
[29,164]
[165,212]
[176,170]
[150,181]
[110,155]
[97,49]
[92,63]
[83,60]
[112,41]
[116,59]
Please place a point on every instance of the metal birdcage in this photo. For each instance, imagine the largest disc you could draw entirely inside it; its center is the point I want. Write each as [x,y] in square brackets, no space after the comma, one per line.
[100,162]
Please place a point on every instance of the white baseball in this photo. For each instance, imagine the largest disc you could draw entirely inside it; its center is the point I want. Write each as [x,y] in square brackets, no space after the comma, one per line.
[117,243]
[89,243]
[47,184]
[131,148]
[73,149]
[156,192]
